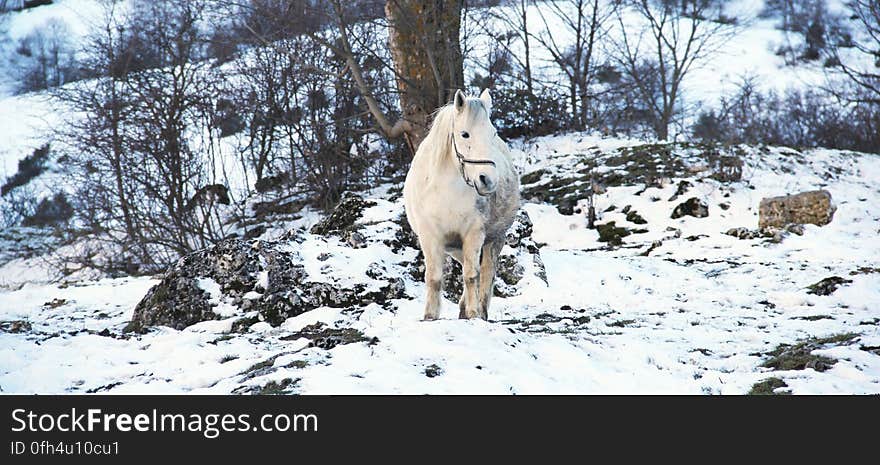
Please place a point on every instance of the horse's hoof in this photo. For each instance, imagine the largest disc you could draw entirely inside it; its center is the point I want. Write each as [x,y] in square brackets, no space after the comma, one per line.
[468,315]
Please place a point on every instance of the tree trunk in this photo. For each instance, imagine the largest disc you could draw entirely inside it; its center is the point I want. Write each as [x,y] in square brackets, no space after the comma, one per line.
[425,47]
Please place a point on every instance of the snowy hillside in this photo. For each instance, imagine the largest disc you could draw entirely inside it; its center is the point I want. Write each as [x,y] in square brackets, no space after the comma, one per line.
[679,308]
[676,290]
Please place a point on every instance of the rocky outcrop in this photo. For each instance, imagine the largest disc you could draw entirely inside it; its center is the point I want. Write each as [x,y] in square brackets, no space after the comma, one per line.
[773,234]
[691,207]
[260,280]
[827,286]
[252,276]
[519,259]
[341,220]
[267,279]
[572,178]
[814,207]
[612,234]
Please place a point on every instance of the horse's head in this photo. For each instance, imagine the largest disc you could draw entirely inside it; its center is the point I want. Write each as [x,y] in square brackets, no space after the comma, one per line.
[472,140]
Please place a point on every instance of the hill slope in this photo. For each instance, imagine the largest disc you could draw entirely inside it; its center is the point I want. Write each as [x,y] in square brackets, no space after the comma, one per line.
[678,308]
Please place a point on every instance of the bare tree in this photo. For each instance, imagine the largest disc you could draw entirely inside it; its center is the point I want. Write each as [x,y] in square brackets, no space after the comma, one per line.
[142,188]
[426,57]
[866,78]
[678,35]
[423,38]
[49,57]
[100,161]
[424,43]
[515,19]
[586,21]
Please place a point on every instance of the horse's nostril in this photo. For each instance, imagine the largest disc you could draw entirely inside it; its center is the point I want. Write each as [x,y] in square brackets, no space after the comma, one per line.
[484,180]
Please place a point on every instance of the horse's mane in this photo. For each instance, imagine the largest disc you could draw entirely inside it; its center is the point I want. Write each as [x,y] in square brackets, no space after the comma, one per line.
[438,140]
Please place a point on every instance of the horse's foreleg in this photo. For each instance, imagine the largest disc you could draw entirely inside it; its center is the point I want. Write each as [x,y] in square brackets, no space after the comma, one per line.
[433,279]
[488,265]
[470,273]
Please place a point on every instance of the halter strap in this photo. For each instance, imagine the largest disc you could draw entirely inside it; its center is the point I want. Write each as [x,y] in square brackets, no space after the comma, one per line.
[462,160]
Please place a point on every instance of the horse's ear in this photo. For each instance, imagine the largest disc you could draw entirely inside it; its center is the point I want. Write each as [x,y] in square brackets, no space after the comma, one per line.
[487,100]
[459,100]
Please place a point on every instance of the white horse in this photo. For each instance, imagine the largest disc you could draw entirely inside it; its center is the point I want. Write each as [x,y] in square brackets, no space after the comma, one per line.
[461,195]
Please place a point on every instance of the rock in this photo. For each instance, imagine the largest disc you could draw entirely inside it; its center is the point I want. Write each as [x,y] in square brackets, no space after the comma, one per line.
[356,240]
[574,177]
[814,207]
[269,273]
[727,168]
[827,286]
[682,189]
[691,207]
[610,233]
[404,236]
[740,233]
[509,269]
[15,326]
[433,371]
[520,232]
[634,217]
[178,301]
[773,234]
[327,338]
[797,229]
[342,218]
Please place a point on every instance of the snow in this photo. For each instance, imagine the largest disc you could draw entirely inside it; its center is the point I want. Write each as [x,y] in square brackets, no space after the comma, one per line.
[220,306]
[692,317]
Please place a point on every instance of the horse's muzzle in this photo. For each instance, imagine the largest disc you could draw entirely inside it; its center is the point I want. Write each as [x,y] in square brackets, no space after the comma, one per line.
[484,185]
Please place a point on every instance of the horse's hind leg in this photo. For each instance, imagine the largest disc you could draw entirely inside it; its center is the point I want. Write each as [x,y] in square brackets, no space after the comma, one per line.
[456,254]
[433,276]
[488,265]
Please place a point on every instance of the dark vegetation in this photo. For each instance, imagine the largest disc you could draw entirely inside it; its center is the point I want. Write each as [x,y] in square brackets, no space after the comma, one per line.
[800,356]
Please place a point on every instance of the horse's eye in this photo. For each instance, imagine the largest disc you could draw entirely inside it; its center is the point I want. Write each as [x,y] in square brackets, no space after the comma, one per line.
[465,135]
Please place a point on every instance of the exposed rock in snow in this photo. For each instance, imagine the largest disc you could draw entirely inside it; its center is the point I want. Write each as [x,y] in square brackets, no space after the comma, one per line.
[16,326]
[814,207]
[774,234]
[265,277]
[682,189]
[691,207]
[612,234]
[343,217]
[268,278]
[827,286]
[572,177]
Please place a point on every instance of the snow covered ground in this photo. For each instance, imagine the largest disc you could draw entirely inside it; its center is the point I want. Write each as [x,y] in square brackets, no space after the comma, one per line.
[679,308]
[698,314]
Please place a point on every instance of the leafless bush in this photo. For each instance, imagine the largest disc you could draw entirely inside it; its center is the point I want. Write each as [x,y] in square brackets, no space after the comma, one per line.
[811,118]
[131,153]
[677,36]
[46,57]
[588,21]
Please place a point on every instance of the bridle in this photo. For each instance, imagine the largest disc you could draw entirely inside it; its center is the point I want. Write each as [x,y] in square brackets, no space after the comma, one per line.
[462,160]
